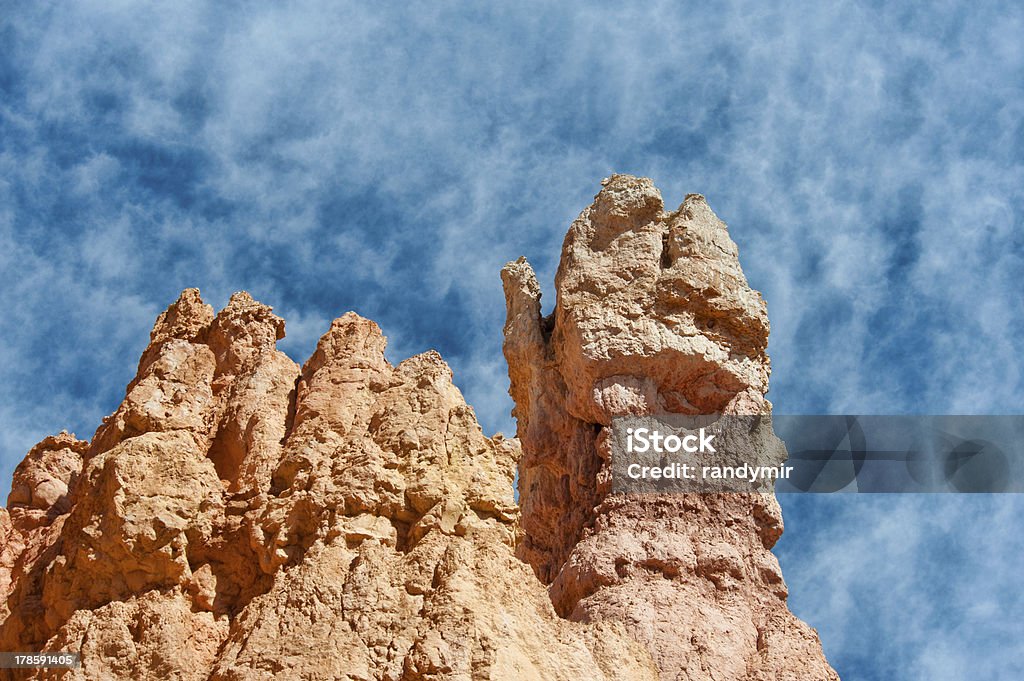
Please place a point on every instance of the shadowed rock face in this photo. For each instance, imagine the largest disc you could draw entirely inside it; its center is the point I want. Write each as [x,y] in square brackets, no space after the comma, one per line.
[241,517]
[653,316]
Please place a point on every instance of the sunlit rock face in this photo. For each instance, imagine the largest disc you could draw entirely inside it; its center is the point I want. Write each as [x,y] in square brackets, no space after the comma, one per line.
[241,517]
[653,316]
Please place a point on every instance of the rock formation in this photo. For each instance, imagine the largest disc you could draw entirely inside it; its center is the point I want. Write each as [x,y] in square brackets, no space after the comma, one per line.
[241,517]
[653,316]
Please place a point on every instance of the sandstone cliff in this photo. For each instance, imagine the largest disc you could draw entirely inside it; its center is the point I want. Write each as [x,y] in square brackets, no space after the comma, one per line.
[241,517]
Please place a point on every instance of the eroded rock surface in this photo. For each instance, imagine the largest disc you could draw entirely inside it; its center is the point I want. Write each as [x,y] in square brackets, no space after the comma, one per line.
[653,316]
[241,517]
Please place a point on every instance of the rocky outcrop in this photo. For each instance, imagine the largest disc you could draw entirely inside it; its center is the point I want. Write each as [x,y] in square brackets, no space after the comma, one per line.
[241,517]
[390,530]
[118,573]
[238,517]
[653,316]
[10,548]
[39,491]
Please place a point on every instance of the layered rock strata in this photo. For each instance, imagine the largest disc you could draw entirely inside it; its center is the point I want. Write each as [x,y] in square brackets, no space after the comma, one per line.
[241,517]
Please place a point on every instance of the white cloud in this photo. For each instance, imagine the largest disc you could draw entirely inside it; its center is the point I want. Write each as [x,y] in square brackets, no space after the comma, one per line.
[868,158]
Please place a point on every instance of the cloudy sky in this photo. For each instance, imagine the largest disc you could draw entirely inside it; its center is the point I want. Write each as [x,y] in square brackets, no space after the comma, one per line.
[390,157]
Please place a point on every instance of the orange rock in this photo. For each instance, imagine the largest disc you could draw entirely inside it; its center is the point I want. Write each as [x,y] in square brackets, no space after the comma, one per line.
[653,316]
[239,517]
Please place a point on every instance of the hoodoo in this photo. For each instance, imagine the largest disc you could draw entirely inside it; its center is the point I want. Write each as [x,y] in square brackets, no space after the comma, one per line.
[652,316]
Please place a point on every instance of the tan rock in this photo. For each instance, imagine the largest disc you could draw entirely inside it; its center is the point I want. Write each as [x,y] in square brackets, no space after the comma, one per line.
[40,489]
[390,536]
[239,517]
[10,548]
[162,489]
[653,317]
[157,635]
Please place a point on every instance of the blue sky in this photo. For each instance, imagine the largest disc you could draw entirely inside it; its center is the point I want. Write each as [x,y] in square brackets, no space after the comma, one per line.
[389,158]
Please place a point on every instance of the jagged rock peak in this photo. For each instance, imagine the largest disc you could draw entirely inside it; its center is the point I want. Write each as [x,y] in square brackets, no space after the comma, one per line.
[243,327]
[238,517]
[186,318]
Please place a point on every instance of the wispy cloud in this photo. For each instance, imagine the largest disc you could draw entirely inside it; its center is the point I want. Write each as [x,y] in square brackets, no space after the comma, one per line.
[868,156]
[910,587]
